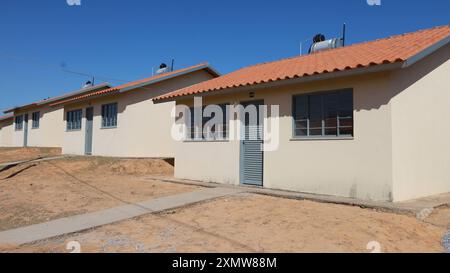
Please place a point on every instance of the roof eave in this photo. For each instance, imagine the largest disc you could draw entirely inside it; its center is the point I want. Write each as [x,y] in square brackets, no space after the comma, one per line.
[426,52]
[171,76]
[318,77]
[54,99]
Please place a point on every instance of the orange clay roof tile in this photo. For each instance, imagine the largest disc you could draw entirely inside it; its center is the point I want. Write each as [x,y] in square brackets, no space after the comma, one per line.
[137,83]
[382,51]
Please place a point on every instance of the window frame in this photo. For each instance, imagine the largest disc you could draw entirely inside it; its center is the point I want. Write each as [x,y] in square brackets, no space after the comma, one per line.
[19,126]
[35,124]
[115,120]
[72,124]
[323,136]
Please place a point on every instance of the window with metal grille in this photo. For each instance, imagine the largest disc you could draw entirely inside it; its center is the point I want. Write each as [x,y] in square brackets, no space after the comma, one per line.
[109,115]
[18,123]
[74,119]
[35,120]
[328,114]
[217,131]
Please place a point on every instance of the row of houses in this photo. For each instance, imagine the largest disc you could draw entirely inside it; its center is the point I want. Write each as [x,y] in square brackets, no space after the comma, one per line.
[368,121]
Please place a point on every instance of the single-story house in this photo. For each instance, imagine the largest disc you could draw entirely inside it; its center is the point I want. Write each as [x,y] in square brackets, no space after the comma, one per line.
[123,121]
[6,130]
[39,124]
[368,121]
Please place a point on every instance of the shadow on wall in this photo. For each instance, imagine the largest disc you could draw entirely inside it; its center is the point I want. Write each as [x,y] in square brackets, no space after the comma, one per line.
[409,76]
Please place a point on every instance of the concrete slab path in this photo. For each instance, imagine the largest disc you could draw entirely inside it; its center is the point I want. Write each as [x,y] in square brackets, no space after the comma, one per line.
[79,223]
[420,208]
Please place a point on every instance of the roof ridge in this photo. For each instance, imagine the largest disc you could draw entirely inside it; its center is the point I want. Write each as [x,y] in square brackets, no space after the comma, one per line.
[388,50]
[341,48]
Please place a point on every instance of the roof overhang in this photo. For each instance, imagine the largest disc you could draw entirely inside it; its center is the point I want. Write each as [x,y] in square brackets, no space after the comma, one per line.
[119,90]
[7,117]
[425,53]
[205,66]
[305,79]
[54,99]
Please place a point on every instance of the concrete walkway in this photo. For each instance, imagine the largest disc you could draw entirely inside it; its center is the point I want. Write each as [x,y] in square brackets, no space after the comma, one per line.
[79,223]
[421,208]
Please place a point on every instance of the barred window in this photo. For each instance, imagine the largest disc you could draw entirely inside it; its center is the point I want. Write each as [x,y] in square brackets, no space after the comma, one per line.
[18,123]
[215,132]
[109,115]
[323,115]
[74,120]
[35,120]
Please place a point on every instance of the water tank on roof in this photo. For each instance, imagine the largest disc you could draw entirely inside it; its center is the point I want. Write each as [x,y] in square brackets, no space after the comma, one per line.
[163,68]
[88,84]
[320,44]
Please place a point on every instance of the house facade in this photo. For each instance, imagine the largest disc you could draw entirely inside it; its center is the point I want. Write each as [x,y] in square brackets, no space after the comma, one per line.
[6,130]
[41,125]
[368,121]
[123,121]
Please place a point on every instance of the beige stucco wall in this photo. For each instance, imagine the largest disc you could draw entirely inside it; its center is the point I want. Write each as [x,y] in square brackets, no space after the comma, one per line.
[359,167]
[421,127]
[143,128]
[50,131]
[6,132]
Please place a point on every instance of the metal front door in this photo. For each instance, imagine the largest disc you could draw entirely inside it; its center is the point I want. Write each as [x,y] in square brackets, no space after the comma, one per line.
[252,154]
[89,127]
[25,131]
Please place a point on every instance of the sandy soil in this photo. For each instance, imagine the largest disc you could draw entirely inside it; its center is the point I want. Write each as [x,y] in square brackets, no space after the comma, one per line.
[254,223]
[39,192]
[19,154]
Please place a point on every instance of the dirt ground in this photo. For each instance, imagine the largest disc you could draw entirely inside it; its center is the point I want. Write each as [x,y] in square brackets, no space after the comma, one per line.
[38,192]
[19,154]
[255,223]
[440,217]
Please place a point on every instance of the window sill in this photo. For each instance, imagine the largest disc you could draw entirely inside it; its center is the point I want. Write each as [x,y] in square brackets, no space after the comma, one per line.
[321,138]
[35,128]
[107,128]
[206,140]
[73,130]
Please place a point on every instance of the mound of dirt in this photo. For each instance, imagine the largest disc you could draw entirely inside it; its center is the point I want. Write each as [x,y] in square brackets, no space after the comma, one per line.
[19,154]
[117,166]
[140,167]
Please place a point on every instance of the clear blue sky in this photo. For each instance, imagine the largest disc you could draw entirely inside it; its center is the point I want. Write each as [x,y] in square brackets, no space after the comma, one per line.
[125,39]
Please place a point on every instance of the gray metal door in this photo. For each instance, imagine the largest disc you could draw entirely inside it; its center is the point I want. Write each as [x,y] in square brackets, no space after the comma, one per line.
[252,154]
[89,127]
[25,130]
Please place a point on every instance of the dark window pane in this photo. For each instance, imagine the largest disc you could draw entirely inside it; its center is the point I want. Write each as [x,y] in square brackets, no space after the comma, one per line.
[347,131]
[315,132]
[301,127]
[331,131]
[315,107]
[346,104]
[300,107]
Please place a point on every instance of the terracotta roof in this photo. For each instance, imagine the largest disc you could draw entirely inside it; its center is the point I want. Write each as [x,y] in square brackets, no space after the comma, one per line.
[6,117]
[139,83]
[384,51]
[58,98]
